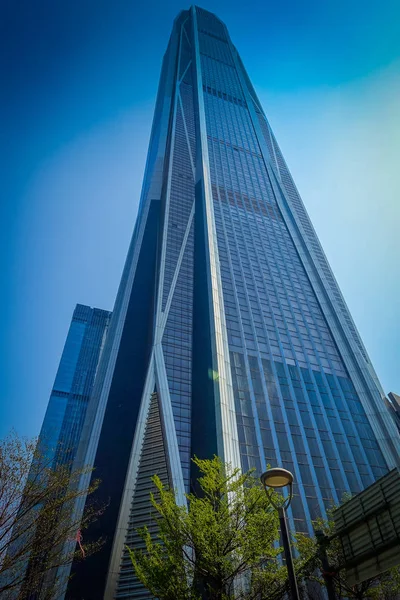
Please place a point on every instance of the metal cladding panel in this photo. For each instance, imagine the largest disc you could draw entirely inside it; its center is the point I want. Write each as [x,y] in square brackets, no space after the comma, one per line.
[219,372]
[153,461]
[368,527]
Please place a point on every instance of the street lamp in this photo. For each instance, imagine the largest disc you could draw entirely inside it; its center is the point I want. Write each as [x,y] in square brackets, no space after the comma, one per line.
[275,479]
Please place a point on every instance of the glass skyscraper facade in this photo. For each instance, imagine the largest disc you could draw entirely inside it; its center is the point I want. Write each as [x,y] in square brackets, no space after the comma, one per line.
[229,334]
[66,411]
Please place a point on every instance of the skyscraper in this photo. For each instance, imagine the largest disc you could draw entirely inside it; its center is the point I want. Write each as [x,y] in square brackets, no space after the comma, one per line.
[66,411]
[393,403]
[229,333]
[62,425]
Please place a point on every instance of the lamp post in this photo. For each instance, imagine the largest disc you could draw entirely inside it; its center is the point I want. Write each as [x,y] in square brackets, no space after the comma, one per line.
[327,571]
[275,479]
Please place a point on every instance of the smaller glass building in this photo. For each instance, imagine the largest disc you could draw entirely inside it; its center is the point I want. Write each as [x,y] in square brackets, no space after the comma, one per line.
[66,411]
[65,415]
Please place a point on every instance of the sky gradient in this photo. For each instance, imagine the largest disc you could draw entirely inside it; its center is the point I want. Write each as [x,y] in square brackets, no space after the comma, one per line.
[80,83]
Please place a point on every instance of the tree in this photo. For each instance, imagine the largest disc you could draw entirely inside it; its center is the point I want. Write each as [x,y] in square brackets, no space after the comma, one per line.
[37,500]
[385,586]
[221,546]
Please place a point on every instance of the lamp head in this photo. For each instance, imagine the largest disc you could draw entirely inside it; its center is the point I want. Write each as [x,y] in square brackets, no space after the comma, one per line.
[276,478]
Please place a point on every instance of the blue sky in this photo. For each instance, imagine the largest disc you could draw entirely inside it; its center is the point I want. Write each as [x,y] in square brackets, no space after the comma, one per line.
[80,80]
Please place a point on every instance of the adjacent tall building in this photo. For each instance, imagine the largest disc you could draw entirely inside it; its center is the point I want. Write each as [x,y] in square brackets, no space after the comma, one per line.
[62,425]
[66,411]
[393,404]
[229,334]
